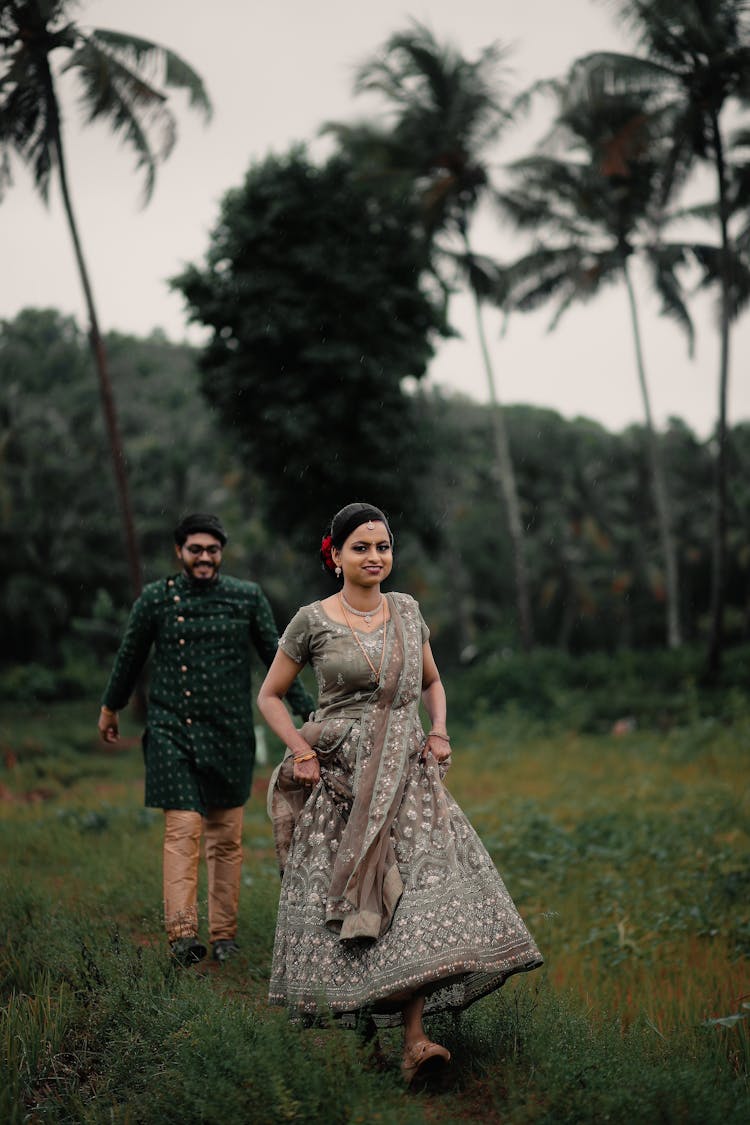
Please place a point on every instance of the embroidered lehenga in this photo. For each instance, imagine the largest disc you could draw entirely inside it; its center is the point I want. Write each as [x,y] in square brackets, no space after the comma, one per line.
[386,887]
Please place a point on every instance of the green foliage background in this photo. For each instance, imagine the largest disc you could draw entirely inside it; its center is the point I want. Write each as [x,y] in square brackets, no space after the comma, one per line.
[584,492]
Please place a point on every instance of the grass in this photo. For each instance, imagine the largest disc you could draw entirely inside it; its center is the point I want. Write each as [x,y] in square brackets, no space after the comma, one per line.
[628,856]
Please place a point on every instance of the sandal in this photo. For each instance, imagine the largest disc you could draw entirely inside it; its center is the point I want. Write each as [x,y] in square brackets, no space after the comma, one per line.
[423,1059]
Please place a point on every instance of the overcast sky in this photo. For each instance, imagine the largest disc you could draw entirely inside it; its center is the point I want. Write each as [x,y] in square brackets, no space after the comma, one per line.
[275,71]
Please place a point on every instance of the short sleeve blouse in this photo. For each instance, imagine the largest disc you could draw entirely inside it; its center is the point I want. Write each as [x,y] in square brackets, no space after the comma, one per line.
[341,670]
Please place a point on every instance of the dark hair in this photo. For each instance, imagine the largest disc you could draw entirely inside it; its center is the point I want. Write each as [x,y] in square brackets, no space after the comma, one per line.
[199,521]
[344,523]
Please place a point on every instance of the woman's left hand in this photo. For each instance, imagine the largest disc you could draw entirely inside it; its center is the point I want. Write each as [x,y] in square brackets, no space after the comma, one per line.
[440,748]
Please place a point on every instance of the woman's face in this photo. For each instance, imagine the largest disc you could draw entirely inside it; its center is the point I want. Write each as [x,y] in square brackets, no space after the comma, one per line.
[366,558]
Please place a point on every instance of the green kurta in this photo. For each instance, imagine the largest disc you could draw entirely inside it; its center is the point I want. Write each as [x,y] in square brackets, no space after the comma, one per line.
[199,745]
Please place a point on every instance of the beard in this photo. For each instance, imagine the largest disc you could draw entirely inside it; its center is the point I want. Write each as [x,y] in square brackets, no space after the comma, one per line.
[202,579]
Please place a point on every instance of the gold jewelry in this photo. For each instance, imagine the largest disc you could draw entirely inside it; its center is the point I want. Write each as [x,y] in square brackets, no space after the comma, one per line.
[436,734]
[374,675]
[304,757]
[368,614]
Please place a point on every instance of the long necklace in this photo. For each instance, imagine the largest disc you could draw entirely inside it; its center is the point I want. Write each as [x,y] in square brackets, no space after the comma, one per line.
[368,614]
[374,673]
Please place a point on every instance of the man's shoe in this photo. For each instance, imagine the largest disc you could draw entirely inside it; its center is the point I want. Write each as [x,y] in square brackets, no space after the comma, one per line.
[187,950]
[225,948]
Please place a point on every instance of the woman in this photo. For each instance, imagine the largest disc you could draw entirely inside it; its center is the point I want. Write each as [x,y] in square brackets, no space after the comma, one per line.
[389,902]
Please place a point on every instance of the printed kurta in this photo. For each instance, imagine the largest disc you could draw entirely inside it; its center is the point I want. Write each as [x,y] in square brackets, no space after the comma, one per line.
[199,745]
[386,886]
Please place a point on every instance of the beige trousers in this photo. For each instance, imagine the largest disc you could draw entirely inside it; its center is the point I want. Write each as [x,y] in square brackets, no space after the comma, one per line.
[222,832]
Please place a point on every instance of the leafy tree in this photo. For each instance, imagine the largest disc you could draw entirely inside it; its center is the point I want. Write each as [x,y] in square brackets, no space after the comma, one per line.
[446,113]
[312,287]
[58,520]
[116,73]
[697,59]
[592,210]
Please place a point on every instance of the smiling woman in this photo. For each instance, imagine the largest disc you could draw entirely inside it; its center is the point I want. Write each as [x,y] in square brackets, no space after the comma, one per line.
[390,906]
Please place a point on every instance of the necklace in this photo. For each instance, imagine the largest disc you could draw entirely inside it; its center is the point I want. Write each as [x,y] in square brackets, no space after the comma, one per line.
[374,672]
[368,614]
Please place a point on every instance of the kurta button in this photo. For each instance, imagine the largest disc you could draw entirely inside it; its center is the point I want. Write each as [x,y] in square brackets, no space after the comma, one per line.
[176,597]
[183,668]
[180,618]
[170,582]
[188,693]
[189,722]
[182,640]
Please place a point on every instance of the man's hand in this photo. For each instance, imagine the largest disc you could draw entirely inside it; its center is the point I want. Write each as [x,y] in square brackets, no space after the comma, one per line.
[108,728]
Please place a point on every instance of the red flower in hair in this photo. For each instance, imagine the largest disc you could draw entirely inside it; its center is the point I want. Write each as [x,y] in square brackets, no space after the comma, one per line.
[325,553]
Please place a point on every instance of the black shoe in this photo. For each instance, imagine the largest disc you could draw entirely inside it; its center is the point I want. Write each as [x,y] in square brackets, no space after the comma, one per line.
[187,950]
[225,948]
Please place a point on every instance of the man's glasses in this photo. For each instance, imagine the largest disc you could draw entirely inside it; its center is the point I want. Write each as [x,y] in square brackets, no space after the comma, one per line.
[196,551]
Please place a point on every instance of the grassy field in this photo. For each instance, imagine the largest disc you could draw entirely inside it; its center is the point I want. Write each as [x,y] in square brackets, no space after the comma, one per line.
[629,857]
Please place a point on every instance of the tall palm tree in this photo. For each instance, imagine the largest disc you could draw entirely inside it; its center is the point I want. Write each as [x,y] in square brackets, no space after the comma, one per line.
[592,211]
[120,77]
[445,113]
[697,60]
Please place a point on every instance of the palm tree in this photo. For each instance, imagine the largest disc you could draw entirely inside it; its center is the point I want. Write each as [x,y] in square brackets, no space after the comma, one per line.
[119,76]
[696,61]
[592,211]
[445,113]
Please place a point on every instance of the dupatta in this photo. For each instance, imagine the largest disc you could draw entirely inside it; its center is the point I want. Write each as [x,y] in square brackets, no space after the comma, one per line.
[364,755]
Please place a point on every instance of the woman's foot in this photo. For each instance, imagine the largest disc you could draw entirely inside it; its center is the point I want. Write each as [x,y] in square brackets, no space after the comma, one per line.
[423,1059]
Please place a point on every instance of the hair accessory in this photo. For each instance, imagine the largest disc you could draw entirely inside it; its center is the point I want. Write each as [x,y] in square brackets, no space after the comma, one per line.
[325,552]
[370,525]
[353,516]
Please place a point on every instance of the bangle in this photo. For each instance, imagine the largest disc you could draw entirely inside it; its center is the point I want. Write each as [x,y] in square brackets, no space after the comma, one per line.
[436,734]
[107,711]
[304,757]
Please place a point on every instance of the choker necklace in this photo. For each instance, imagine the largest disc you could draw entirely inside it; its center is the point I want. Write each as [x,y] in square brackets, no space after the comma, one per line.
[374,672]
[368,614]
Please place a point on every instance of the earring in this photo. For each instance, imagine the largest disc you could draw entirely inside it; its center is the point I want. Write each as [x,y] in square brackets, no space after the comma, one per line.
[338,572]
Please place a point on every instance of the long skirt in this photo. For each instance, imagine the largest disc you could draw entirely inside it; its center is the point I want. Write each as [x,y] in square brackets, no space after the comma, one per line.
[455,933]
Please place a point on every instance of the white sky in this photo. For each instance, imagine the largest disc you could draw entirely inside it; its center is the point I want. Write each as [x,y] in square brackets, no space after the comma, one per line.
[275,71]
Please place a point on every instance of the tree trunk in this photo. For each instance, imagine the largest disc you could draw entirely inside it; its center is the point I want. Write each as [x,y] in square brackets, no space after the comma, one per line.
[718,571]
[658,483]
[510,492]
[100,361]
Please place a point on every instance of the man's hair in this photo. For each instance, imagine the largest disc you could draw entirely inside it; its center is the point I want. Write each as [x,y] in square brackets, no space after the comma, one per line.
[197,522]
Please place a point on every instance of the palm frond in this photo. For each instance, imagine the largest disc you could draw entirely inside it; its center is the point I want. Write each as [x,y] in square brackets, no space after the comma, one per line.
[27,119]
[665,260]
[612,72]
[131,106]
[485,276]
[169,68]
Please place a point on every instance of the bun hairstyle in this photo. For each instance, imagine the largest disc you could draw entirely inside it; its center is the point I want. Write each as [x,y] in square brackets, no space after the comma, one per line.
[343,524]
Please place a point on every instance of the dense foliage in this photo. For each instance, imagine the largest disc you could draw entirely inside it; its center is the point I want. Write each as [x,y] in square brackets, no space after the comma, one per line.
[313,290]
[596,574]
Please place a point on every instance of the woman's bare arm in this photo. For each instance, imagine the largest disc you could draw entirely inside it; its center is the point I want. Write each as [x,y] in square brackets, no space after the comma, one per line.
[279,678]
[433,697]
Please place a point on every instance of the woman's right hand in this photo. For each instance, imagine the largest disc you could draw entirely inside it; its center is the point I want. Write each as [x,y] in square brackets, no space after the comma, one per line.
[308,772]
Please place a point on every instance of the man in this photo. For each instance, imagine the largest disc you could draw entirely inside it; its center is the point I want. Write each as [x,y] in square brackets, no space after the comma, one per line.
[199,744]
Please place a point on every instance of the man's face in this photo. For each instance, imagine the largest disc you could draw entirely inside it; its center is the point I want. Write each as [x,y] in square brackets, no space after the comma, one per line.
[200,556]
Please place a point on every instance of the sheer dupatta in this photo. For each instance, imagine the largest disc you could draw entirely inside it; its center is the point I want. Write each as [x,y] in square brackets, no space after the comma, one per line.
[363,756]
